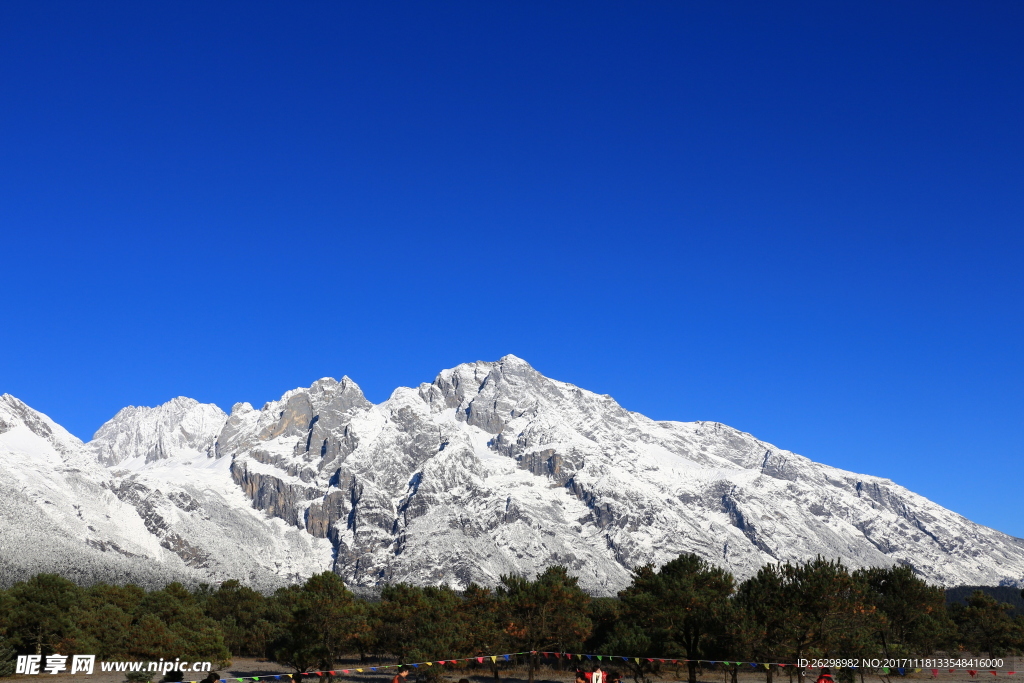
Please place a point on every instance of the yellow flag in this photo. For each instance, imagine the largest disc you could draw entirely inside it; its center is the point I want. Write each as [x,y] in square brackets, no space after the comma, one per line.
[917,671]
[430,664]
[359,670]
[637,659]
[494,658]
[766,666]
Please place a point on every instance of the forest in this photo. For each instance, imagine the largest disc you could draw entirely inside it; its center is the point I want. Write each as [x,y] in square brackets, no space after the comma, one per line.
[684,610]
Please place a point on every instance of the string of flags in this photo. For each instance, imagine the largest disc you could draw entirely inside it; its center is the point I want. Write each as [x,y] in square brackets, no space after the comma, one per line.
[569,656]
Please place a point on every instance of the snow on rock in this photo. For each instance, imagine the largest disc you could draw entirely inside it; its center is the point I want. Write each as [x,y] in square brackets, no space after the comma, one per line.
[494,468]
[491,469]
[182,427]
[150,521]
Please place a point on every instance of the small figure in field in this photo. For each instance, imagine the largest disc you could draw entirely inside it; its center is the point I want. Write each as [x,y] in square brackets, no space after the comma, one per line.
[400,677]
[825,676]
[597,676]
[580,676]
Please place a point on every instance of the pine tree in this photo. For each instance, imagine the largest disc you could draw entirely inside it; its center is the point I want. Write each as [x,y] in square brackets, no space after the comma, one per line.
[829,612]
[41,613]
[241,613]
[325,622]
[7,656]
[549,613]
[985,626]
[682,608]
[913,619]
[762,617]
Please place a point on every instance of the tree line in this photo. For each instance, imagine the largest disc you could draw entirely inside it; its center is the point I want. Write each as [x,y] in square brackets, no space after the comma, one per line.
[686,609]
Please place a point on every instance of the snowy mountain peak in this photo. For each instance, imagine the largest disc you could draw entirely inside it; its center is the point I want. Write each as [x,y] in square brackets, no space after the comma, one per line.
[182,427]
[15,413]
[490,469]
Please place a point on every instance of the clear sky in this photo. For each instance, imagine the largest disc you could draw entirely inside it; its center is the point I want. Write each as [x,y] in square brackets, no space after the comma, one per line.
[802,219]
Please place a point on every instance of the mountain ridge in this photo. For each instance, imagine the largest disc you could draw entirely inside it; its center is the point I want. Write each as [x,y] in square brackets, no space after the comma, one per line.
[489,469]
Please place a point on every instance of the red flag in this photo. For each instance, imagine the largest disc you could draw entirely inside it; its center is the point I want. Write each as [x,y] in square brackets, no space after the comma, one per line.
[480,659]
[972,672]
[344,671]
[992,672]
[935,673]
[952,670]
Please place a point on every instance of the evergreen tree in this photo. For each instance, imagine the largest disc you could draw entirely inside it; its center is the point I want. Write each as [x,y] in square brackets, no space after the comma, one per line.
[682,608]
[423,624]
[829,612]
[241,613]
[485,630]
[762,617]
[549,613]
[985,626]
[913,619]
[171,621]
[7,657]
[325,622]
[40,617]
[604,614]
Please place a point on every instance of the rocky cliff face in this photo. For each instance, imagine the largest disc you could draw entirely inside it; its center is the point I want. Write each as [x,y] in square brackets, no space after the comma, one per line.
[148,520]
[182,426]
[494,469]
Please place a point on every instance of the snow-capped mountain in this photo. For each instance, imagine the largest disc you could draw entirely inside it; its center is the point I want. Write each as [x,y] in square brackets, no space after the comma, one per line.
[145,520]
[490,469]
[182,426]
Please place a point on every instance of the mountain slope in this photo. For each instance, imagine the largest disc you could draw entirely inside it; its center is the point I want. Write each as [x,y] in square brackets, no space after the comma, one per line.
[490,469]
[494,468]
[150,522]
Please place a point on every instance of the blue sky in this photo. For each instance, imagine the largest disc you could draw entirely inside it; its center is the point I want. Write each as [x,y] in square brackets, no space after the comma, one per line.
[801,219]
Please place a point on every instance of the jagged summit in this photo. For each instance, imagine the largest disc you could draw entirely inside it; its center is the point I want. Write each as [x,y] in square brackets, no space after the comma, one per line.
[182,427]
[14,413]
[493,469]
